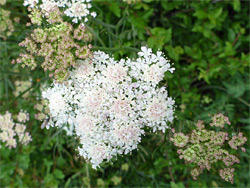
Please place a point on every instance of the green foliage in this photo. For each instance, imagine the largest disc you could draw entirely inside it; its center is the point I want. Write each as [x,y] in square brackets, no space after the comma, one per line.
[160,36]
[208,42]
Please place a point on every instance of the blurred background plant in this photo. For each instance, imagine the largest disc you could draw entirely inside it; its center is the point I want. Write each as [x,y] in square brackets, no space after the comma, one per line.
[208,42]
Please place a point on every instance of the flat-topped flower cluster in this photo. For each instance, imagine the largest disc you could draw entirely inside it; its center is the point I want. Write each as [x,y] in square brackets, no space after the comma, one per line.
[6,23]
[13,132]
[76,9]
[21,86]
[108,103]
[58,45]
[203,147]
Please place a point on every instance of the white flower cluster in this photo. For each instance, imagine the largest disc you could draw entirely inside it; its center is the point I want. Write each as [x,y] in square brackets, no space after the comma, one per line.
[108,103]
[31,3]
[12,132]
[76,9]
[79,9]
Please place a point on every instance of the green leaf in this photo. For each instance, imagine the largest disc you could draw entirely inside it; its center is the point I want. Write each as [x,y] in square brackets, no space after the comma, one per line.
[24,161]
[141,5]
[50,181]
[231,35]
[148,1]
[235,88]
[59,174]
[159,38]
[7,170]
[48,164]
[100,182]
[114,7]
[179,50]
[228,50]
[194,52]
[200,14]
[246,120]
[236,5]
[1,90]
[137,22]
[160,164]
[147,14]
[167,5]
[145,6]
[5,152]
[177,185]
[217,12]
[116,180]
[86,180]
[61,161]
[172,53]
[125,167]
[158,32]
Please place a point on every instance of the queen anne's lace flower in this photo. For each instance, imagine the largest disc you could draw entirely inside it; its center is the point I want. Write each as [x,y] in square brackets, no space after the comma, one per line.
[47,6]
[83,71]
[153,74]
[115,73]
[22,116]
[108,103]
[203,147]
[30,3]
[76,9]
[12,132]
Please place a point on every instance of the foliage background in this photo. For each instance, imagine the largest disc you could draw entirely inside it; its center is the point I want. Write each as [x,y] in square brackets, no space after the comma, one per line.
[208,42]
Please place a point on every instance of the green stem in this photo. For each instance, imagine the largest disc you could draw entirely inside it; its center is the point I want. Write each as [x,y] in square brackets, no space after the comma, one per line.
[21,94]
[15,73]
[223,89]
[115,49]
[87,173]
[97,36]
[104,24]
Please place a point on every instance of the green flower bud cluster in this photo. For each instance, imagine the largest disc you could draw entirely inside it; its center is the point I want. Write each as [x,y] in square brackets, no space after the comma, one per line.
[58,46]
[3,2]
[35,16]
[227,174]
[22,86]
[42,111]
[131,1]
[6,24]
[219,120]
[203,147]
